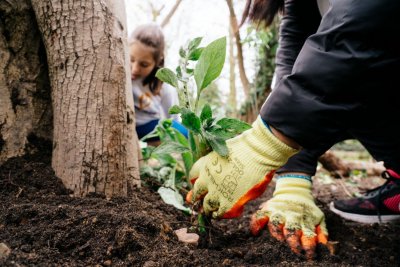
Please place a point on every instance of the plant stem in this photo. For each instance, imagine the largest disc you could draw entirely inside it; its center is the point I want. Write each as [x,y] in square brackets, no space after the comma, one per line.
[185,80]
[196,104]
[187,98]
[194,146]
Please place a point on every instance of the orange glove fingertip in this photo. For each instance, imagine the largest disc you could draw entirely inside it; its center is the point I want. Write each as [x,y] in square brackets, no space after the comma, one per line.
[293,238]
[276,231]
[257,223]
[309,245]
[189,197]
[321,236]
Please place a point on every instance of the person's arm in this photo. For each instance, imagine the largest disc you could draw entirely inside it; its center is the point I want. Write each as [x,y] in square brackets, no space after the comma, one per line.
[331,88]
[300,20]
[335,72]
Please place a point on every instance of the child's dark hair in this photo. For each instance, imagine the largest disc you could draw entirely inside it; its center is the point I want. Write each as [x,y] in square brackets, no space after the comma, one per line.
[262,11]
[151,35]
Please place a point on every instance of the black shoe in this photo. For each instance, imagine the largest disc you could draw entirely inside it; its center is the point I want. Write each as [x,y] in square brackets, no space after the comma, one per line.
[379,205]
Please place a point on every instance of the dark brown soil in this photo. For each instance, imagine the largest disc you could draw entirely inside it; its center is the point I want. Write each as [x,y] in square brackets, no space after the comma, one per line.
[44,226]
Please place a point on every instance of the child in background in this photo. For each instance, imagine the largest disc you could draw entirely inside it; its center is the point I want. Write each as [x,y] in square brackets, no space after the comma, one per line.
[152,97]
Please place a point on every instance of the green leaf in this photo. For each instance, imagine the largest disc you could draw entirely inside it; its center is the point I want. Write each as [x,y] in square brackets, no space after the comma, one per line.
[170,147]
[172,197]
[202,220]
[195,54]
[182,52]
[208,124]
[187,158]
[165,159]
[180,138]
[221,133]
[217,143]
[152,134]
[206,113]
[230,127]
[167,123]
[210,63]
[179,72]
[193,146]
[175,109]
[191,121]
[193,44]
[147,151]
[168,76]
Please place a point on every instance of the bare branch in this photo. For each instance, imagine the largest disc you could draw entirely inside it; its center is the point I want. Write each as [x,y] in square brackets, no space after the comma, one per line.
[155,12]
[171,13]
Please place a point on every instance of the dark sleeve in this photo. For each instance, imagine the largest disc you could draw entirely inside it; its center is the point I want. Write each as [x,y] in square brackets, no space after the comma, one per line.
[300,20]
[336,76]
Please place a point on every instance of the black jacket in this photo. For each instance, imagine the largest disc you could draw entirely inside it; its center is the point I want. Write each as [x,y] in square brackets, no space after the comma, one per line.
[337,73]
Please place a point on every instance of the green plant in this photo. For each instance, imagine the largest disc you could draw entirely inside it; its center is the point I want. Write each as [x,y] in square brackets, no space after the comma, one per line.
[168,175]
[198,68]
[206,132]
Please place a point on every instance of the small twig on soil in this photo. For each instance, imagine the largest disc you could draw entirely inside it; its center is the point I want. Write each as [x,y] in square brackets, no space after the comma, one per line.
[344,188]
[20,189]
[19,192]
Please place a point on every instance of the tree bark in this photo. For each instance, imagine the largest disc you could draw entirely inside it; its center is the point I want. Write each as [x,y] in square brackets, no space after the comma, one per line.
[25,100]
[235,30]
[232,102]
[94,135]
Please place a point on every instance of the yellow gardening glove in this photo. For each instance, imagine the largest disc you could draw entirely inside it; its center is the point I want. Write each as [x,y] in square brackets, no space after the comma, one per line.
[227,184]
[293,215]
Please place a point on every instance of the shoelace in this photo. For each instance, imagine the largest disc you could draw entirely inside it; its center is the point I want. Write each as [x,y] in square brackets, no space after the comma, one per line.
[385,175]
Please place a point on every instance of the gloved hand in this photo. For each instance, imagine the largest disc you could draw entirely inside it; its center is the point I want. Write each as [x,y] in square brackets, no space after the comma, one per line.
[293,215]
[227,184]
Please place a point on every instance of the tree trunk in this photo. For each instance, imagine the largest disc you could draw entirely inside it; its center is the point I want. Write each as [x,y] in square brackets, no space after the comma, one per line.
[262,82]
[25,103]
[94,135]
[232,102]
[235,30]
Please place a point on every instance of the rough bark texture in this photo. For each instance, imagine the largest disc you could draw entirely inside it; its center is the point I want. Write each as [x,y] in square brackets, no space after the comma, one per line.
[94,149]
[25,103]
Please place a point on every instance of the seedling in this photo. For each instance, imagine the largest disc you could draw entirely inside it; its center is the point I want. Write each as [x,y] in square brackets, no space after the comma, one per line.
[206,132]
